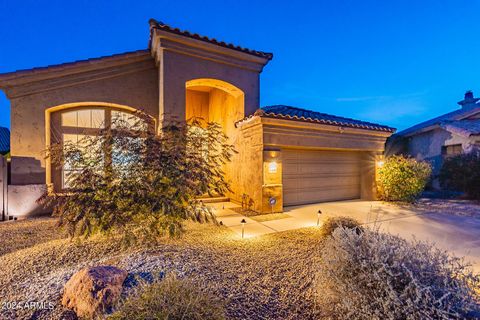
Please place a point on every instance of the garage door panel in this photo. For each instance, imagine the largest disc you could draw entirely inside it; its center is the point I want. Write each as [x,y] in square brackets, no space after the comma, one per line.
[318,176]
[321,169]
[291,184]
[306,155]
[312,195]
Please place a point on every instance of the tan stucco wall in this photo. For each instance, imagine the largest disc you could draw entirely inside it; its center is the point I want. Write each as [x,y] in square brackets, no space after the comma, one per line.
[138,90]
[177,69]
[245,171]
[297,134]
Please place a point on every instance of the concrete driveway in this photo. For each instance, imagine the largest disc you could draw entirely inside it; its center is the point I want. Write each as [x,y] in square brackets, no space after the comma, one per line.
[451,225]
[457,232]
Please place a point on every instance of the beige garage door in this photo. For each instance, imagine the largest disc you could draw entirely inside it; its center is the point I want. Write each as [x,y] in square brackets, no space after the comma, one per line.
[318,176]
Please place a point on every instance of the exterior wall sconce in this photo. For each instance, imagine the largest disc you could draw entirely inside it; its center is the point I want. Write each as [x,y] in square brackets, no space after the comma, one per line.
[272,167]
[243,227]
[380,163]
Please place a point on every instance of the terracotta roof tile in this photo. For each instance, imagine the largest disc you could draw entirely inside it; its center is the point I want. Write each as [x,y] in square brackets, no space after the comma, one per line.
[164,27]
[299,114]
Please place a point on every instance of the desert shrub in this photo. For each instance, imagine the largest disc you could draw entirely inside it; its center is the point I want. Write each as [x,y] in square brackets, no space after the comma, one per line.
[137,182]
[373,275]
[332,223]
[170,299]
[402,179]
[462,173]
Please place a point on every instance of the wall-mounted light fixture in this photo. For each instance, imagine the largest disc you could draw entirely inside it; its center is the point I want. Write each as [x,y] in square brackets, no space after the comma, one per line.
[380,163]
[272,167]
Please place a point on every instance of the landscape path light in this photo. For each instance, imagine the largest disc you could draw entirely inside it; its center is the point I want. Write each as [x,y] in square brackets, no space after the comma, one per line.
[318,217]
[243,227]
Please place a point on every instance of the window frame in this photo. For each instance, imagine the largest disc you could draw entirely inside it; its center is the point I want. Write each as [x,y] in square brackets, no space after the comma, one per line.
[57,131]
[453,147]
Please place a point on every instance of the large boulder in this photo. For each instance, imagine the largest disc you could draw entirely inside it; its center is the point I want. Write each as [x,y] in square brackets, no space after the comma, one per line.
[93,290]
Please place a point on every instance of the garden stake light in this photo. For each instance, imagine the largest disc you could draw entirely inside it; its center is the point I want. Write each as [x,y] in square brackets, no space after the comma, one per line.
[318,217]
[243,227]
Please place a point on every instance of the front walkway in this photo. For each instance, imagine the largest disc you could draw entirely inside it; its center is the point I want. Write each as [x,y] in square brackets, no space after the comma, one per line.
[228,214]
[455,233]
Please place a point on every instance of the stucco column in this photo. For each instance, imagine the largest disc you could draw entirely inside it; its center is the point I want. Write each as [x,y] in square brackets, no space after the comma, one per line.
[368,175]
[272,181]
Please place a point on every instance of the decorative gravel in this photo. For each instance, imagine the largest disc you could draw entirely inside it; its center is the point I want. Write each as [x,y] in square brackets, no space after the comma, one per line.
[20,234]
[268,277]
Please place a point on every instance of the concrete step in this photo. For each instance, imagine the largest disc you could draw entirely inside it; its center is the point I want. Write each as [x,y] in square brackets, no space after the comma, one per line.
[214,199]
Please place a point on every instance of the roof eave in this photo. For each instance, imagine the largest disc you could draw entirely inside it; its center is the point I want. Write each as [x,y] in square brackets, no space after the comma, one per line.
[20,77]
[266,118]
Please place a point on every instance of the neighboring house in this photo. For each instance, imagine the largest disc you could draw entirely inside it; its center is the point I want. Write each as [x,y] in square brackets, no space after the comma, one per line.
[453,133]
[293,155]
[4,140]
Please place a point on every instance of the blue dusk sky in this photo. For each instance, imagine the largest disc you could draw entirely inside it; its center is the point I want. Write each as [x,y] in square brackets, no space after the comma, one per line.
[391,62]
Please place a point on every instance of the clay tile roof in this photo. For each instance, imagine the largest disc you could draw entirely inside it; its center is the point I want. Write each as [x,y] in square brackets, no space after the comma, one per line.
[299,114]
[4,140]
[154,24]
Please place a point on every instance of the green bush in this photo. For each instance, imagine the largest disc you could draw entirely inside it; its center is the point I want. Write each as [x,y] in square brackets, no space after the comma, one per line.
[374,275]
[333,223]
[137,182]
[402,179]
[170,299]
[462,173]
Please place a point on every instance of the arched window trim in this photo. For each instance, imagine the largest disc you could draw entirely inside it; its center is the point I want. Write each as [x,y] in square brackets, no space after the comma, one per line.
[72,107]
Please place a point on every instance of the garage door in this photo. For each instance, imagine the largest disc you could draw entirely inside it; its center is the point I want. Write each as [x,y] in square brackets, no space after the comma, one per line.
[318,176]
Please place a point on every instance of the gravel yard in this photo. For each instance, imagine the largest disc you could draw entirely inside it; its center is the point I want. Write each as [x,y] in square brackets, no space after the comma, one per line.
[16,235]
[268,277]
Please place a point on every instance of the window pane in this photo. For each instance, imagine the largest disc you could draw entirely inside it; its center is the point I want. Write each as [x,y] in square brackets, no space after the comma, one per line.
[98,118]
[120,118]
[72,138]
[84,119]
[67,176]
[83,143]
[69,119]
[122,155]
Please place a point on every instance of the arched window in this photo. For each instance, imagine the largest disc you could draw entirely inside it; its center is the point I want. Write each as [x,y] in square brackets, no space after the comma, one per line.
[72,125]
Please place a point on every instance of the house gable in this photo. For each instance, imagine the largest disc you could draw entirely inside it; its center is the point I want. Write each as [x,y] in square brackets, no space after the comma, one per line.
[182,57]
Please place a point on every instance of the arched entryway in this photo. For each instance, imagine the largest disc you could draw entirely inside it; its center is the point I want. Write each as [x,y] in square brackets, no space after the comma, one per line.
[217,101]
[214,100]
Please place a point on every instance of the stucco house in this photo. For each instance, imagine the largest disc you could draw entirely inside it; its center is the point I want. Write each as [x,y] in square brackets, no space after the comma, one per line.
[452,133]
[294,155]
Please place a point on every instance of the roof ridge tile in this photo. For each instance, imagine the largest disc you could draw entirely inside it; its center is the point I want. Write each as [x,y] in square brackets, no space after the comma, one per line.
[154,24]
